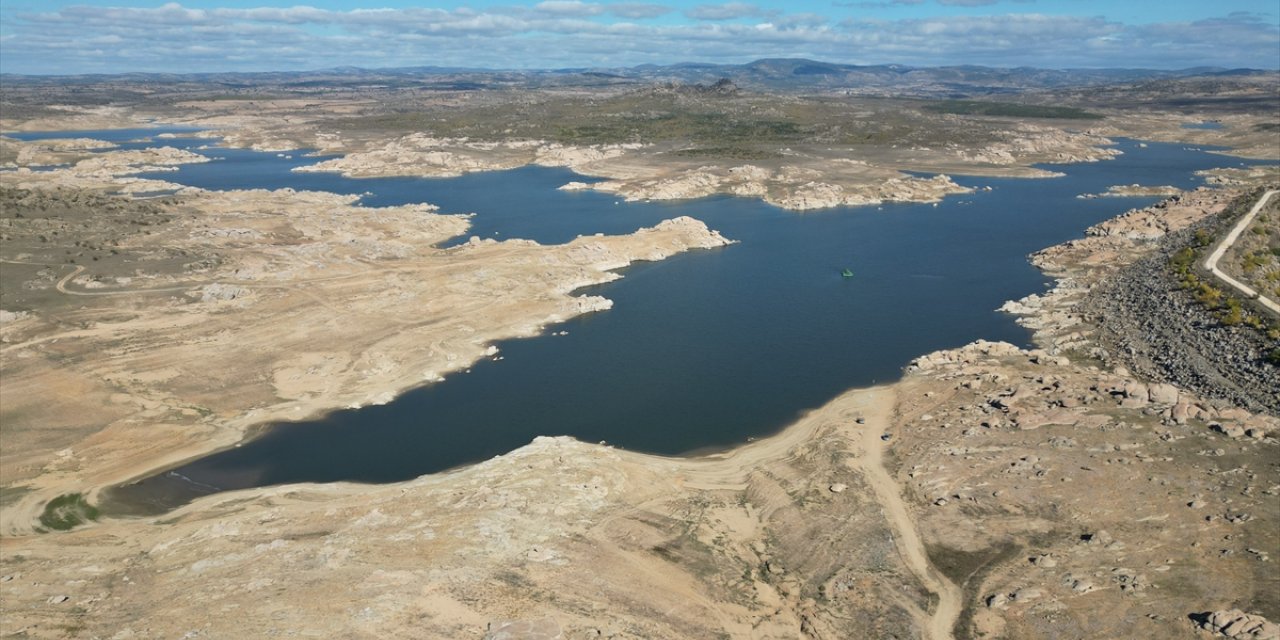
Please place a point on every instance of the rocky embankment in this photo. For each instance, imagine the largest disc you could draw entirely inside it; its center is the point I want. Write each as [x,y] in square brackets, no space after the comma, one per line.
[15,154]
[1117,300]
[422,155]
[1131,190]
[632,175]
[112,170]
[791,188]
[1027,142]
[1157,329]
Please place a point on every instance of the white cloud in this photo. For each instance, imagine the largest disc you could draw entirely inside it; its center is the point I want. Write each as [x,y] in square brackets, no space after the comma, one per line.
[727,11]
[569,8]
[638,10]
[574,33]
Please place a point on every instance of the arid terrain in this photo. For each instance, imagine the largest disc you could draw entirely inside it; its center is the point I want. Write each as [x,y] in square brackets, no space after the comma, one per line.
[1118,481]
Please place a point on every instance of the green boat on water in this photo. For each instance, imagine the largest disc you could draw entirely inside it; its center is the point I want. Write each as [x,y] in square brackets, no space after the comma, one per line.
[846,273]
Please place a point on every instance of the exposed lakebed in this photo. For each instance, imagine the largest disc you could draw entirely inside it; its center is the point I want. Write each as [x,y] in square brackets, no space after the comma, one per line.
[702,350]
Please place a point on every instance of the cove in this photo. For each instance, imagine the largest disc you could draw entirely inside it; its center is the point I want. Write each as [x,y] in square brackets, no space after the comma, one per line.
[701,351]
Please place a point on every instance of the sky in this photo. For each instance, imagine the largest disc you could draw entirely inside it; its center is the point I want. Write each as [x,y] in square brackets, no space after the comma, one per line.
[115,36]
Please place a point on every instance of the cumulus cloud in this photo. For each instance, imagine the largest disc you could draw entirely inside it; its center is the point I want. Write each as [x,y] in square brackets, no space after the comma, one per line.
[638,10]
[569,8]
[564,33]
[727,11]
[800,20]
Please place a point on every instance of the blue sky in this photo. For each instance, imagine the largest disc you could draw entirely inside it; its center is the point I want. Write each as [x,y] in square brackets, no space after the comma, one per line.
[55,37]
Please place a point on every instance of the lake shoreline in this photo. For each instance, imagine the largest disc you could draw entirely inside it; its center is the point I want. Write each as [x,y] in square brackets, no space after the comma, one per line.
[315,407]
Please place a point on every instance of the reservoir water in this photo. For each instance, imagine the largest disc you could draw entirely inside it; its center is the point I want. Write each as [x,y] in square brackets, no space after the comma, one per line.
[703,350]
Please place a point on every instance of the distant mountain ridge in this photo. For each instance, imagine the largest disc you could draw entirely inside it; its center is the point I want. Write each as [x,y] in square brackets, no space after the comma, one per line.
[768,74]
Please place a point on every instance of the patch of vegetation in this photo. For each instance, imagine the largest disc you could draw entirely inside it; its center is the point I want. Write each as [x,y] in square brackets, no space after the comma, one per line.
[736,153]
[705,123]
[221,97]
[42,228]
[683,125]
[1229,309]
[967,570]
[1250,262]
[68,511]
[1009,109]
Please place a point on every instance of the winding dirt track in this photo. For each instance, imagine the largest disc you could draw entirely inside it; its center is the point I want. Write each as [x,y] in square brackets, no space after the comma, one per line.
[1211,263]
[871,463]
[876,405]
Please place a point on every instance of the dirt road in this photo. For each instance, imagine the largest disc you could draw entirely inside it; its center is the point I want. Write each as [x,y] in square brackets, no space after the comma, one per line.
[906,536]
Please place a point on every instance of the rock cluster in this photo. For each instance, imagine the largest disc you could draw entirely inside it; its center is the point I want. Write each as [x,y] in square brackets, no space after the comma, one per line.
[219,291]
[115,170]
[1031,143]
[792,188]
[1234,623]
[1118,301]
[1150,324]
[1131,190]
[1149,223]
[418,154]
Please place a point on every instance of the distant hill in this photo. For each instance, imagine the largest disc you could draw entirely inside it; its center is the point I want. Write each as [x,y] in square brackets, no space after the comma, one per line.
[771,74]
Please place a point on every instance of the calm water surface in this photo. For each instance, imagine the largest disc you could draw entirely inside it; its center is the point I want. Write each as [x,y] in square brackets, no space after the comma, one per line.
[702,350]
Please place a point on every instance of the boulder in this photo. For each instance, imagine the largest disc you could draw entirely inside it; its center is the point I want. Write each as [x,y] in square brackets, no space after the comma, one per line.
[1162,394]
[1234,623]
[1229,430]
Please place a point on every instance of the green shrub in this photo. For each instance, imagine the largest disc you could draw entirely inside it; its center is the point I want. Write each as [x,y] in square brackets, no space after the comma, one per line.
[1208,295]
[980,108]
[67,511]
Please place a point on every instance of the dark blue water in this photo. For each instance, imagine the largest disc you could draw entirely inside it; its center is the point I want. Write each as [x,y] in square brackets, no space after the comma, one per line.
[704,349]
[1202,125]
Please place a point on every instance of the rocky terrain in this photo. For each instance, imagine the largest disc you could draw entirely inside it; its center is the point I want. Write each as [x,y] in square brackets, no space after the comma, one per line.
[1075,490]
[798,181]
[1254,259]
[1070,501]
[1142,316]
[238,307]
[1130,190]
[1159,331]
[1017,494]
[1151,321]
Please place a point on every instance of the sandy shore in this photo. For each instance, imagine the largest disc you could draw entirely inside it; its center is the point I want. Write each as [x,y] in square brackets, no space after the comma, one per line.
[310,303]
